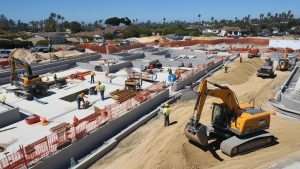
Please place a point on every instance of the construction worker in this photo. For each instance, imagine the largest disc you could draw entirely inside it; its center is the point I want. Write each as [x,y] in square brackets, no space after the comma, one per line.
[54,76]
[226,67]
[93,77]
[3,99]
[170,70]
[241,58]
[80,98]
[166,113]
[101,88]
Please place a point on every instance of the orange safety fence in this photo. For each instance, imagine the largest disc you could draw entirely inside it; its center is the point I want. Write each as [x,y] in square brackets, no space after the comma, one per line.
[3,64]
[110,48]
[252,41]
[29,155]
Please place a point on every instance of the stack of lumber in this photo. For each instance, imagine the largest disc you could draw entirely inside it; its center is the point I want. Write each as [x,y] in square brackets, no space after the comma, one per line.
[122,95]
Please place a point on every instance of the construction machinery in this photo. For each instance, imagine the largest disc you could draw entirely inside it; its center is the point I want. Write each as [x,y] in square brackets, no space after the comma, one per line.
[253,53]
[267,70]
[239,127]
[155,64]
[284,64]
[133,83]
[27,85]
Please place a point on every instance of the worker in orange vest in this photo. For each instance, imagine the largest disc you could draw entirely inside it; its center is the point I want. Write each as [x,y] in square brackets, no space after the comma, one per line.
[80,98]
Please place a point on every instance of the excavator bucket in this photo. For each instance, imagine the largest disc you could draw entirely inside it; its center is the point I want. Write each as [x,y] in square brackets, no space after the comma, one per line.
[196,134]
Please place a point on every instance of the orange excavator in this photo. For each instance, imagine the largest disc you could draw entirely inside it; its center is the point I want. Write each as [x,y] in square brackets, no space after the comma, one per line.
[253,52]
[239,127]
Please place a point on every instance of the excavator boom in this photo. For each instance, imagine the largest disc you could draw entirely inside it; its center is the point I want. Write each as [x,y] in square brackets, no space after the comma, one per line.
[223,92]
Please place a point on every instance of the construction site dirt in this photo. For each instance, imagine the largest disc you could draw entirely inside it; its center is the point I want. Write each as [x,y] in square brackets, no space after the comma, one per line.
[153,146]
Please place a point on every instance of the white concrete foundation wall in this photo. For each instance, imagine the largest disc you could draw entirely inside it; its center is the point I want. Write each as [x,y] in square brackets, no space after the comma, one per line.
[286,100]
[9,116]
[117,67]
[97,138]
[195,77]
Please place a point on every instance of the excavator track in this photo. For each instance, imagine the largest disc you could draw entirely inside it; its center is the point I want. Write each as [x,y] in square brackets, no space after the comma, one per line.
[235,146]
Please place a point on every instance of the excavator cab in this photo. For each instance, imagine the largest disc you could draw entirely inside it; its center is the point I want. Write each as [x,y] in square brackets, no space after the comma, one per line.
[219,117]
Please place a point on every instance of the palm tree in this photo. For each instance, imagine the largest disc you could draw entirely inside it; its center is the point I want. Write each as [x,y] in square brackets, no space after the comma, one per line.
[63,20]
[100,21]
[289,13]
[199,16]
[164,20]
[57,22]
[269,15]
[261,16]
[212,19]
[52,15]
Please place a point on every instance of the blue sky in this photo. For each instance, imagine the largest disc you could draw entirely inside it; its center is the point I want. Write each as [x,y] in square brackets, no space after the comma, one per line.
[155,10]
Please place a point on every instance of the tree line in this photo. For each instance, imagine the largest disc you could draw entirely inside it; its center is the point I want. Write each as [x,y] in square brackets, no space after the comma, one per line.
[57,22]
[284,21]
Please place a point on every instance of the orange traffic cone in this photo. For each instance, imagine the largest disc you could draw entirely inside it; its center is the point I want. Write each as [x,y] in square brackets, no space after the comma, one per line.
[44,122]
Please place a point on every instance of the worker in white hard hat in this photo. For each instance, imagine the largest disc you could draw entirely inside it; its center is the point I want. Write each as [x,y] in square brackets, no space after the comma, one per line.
[166,113]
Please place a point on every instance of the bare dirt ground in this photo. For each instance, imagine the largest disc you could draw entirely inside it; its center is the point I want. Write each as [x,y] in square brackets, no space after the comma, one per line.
[153,146]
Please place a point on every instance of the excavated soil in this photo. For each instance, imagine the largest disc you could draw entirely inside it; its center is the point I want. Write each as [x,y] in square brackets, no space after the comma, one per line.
[240,74]
[153,146]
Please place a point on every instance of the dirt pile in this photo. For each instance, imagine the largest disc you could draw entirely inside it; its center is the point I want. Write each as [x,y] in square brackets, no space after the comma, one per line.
[153,146]
[23,55]
[238,73]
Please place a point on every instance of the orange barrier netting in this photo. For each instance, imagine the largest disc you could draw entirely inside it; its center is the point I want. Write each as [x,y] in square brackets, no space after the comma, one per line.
[250,41]
[29,155]
[111,48]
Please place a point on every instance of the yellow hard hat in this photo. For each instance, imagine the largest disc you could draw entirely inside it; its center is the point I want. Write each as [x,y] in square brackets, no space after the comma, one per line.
[166,105]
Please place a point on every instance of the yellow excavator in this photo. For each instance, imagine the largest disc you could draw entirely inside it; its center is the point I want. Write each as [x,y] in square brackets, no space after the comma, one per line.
[284,63]
[27,85]
[239,127]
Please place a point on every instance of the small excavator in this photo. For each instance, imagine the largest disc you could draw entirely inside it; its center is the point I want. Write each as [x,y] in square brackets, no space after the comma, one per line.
[239,128]
[28,85]
[284,64]
[133,83]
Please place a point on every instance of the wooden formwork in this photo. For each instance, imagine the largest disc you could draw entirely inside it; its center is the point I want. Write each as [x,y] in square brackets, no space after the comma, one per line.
[122,95]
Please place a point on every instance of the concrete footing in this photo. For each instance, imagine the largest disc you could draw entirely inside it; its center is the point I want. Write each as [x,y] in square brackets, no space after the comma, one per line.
[8,115]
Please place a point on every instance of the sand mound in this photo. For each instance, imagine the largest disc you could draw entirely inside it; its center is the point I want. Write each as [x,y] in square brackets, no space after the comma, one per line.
[67,53]
[25,55]
[238,74]
[89,51]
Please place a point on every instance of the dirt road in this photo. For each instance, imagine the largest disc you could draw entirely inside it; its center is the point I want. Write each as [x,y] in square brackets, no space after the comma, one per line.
[153,146]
